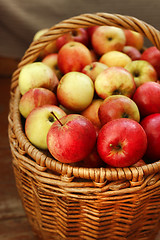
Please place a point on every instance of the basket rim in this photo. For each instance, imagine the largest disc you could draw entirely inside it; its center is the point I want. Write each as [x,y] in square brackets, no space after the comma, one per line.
[96,174]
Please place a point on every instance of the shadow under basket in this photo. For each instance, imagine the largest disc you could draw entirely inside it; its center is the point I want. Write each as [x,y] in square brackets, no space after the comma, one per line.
[68,202]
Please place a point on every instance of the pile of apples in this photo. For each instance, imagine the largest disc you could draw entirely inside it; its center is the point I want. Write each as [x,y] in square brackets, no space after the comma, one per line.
[92,98]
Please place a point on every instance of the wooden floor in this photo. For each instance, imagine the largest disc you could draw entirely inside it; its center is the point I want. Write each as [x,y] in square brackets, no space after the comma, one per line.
[13,222]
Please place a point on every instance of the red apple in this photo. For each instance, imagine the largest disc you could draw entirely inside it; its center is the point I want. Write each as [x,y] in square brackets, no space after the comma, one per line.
[152,55]
[121,142]
[93,160]
[151,125]
[140,163]
[113,81]
[51,60]
[147,98]
[134,39]
[142,71]
[71,139]
[91,112]
[118,106]
[73,56]
[36,97]
[108,38]
[77,35]
[132,52]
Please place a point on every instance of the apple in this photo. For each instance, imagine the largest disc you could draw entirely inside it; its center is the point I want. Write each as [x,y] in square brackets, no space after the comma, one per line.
[75,91]
[118,106]
[140,163]
[71,139]
[121,142]
[93,160]
[91,112]
[50,48]
[78,35]
[134,39]
[152,55]
[113,81]
[94,69]
[108,38]
[90,31]
[142,71]
[147,98]
[51,60]
[37,74]
[73,56]
[115,58]
[36,97]
[151,125]
[132,52]
[39,122]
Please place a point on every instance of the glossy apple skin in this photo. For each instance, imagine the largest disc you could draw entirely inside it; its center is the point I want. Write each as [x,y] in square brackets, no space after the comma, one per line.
[151,125]
[51,60]
[121,142]
[115,59]
[36,97]
[132,52]
[115,80]
[73,56]
[108,38]
[152,55]
[73,140]
[142,72]
[91,112]
[75,91]
[134,39]
[118,106]
[147,98]
[36,75]
[77,35]
[39,122]
[94,69]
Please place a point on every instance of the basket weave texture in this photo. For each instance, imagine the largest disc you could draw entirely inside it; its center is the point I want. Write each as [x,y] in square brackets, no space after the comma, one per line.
[67,202]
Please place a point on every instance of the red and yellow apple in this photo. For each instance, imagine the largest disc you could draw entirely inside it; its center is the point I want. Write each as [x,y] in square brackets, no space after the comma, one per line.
[51,60]
[37,74]
[142,71]
[39,122]
[118,106]
[108,38]
[91,112]
[36,97]
[113,81]
[134,39]
[73,56]
[94,69]
[132,52]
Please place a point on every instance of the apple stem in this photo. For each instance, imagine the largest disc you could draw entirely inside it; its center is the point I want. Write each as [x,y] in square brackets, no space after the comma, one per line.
[56,118]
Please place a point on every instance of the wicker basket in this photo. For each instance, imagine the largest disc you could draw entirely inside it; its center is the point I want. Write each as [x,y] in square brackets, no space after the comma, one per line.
[68,202]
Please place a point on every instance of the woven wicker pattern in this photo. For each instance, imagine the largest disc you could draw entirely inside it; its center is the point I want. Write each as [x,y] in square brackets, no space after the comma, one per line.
[68,202]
